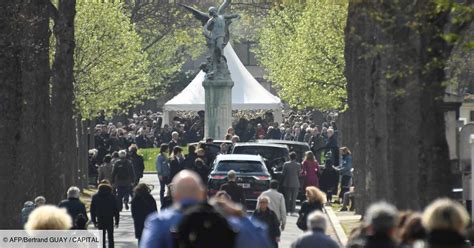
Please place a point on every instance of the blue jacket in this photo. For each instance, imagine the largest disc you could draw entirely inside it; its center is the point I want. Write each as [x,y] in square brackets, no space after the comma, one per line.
[156,233]
[162,166]
[346,165]
[251,233]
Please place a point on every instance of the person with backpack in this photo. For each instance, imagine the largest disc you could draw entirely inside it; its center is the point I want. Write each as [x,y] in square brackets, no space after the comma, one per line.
[143,204]
[75,208]
[137,162]
[123,178]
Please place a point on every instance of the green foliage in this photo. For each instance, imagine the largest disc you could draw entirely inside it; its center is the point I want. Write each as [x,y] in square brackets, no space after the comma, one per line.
[170,36]
[302,47]
[149,156]
[111,70]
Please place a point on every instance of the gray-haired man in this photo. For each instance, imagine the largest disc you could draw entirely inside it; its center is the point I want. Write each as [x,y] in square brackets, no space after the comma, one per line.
[316,237]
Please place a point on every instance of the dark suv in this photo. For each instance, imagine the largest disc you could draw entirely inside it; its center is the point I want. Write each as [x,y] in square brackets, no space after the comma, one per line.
[274,155]
[252,175]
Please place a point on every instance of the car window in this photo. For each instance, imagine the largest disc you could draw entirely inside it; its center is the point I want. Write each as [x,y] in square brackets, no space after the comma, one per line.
[240,166]
[299,150]
[269,153]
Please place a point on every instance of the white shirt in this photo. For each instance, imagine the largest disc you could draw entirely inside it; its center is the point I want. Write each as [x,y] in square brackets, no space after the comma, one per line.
[277,204]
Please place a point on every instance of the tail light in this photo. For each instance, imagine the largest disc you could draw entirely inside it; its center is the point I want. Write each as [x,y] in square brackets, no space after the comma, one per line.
[217,177]
[261,178]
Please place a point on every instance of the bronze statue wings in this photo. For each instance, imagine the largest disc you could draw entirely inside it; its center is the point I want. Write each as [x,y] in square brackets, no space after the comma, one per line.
[201,16]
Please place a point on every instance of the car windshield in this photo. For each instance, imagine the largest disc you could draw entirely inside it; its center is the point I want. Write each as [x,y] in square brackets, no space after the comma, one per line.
[269,153]
[240,166]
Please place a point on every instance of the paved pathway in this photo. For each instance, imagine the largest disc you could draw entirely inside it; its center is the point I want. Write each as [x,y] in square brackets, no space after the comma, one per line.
[125,235]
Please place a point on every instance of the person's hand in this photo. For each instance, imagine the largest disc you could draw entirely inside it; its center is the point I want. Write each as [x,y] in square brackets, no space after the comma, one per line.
[116,225]
[277,239]
[161,178]
[282,227]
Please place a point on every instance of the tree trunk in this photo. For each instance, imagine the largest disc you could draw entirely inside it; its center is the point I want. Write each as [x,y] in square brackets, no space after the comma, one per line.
[62,97]
[400,152]
[24,105]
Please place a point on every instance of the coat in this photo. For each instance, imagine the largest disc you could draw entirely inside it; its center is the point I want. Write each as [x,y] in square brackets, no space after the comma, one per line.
[127,179]
[138,165]
[309,171]
[270,219]
[307,208]
[74,207]
[142,206]
[277,204]
[445,239]
[235,191]
[317,236]
[162,166]
[291,174]
[105,172]
[104,208]
[176,165]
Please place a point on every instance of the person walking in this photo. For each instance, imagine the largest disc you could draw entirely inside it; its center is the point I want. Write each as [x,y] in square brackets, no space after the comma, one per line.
[291,182]
[176,161]
[123,178]
[105,170]
[445,222]
[235,191]
[267,216]
[163,170]
[277,202]
[137,162]
[103,211]
[315,200]
[143,204]
[189,161]
[75,208]
[345,171]
[317,223]
[310,170]
[48,218]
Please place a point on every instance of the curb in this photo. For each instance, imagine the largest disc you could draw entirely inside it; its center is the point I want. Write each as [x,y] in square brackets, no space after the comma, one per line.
[341,235]
[149,172]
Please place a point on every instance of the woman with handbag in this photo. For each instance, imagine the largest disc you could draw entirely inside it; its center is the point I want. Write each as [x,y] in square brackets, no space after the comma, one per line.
[315,200]
[309,171]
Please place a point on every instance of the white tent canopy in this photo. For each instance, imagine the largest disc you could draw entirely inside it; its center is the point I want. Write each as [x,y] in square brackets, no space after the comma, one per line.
[247,93]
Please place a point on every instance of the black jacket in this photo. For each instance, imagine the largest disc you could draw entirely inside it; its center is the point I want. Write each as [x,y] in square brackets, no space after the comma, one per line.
[104,208]
[202,170]
[307,208]
[74,207]
[271,220]
[175,167]
[189,161]
[142,206]
[235,191]
[138,165]
[373,241]
[445,239]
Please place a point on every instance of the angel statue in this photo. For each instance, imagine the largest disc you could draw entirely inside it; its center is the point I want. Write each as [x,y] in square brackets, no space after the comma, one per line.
[216,30]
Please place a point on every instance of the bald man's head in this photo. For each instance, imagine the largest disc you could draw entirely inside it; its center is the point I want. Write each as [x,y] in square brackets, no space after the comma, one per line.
[187,185]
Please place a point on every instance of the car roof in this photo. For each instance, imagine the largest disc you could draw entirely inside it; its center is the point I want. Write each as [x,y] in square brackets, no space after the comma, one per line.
[289,142]
[238,157]
[261,144]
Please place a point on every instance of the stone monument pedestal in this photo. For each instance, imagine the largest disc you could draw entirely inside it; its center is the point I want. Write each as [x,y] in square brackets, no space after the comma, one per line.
[218,106]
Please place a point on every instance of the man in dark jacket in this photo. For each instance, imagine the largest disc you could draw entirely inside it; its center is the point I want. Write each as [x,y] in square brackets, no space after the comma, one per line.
[235,191]
[75,208]
[103,212]
[190,158]
[138,163]
[123,177]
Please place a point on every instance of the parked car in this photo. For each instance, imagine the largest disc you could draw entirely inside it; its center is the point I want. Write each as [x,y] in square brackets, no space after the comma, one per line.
[274,155]
[252,175]
[300,148]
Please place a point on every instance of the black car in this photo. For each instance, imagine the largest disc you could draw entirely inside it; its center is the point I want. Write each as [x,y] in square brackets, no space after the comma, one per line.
[251,172]
[274,155]
[300,148]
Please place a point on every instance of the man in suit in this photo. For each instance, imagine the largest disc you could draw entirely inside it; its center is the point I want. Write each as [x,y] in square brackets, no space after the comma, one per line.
[291,182]
[235,191]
